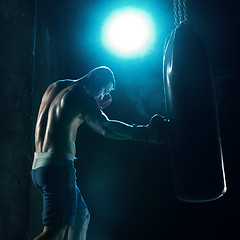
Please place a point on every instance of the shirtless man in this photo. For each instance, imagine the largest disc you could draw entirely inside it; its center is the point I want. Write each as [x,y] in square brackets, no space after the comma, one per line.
[66,105]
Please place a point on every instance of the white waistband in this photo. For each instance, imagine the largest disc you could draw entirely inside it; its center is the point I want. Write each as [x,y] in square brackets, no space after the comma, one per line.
[43,159]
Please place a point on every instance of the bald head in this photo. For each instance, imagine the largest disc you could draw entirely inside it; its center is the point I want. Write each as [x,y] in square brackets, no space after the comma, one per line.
[102,75]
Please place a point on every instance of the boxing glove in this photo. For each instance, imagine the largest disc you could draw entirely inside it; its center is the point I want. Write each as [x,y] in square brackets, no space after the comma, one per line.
[157,131]
[105,102]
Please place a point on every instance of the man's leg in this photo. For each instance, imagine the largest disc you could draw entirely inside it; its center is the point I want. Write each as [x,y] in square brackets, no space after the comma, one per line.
[52,233]
[79,230]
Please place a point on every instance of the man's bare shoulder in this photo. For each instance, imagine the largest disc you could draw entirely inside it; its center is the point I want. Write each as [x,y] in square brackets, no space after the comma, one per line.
[58,84]
[62,83]
[51,93]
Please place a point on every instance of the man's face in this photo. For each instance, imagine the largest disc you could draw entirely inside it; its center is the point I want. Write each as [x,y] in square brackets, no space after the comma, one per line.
[101,89]
[103,96]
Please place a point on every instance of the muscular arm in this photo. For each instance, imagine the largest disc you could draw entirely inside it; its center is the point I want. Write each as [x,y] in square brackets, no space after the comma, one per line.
[114,129]
[99,122]
[95,118]
[156,131]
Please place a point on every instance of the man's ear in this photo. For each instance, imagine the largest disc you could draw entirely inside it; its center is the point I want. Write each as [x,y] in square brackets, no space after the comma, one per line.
[98,80]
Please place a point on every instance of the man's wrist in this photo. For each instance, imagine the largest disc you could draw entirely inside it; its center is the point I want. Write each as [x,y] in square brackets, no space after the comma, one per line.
[140,133]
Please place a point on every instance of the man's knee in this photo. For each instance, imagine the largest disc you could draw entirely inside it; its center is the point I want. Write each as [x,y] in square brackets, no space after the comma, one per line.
[83,218]
[86,216]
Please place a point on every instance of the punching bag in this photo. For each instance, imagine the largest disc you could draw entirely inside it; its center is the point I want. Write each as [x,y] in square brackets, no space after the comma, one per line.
[195,144]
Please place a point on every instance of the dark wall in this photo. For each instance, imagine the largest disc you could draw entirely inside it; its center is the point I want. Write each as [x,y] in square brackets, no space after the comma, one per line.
[16,46]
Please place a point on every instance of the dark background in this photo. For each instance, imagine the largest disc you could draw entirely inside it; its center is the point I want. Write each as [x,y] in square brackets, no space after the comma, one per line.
[127,185]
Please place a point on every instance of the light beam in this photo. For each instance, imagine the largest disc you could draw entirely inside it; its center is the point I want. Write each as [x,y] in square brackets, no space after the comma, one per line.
[128,33]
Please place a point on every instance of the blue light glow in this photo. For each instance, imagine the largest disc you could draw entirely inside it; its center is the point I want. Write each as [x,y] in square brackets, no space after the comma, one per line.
[129,32]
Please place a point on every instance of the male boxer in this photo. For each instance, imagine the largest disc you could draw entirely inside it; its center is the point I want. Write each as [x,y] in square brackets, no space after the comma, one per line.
[66,105]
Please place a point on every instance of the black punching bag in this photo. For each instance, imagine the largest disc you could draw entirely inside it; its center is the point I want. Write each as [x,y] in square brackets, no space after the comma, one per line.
[195,144]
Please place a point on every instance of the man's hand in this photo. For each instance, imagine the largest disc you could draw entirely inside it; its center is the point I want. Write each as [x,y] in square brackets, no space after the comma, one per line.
[158,129]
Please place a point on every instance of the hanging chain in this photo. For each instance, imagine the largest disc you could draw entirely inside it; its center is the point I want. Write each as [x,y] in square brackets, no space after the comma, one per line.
[180,15]
[175,9]
[180,12]
[184,10]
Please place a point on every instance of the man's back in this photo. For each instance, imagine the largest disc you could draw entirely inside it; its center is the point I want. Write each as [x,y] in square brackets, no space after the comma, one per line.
[57,123]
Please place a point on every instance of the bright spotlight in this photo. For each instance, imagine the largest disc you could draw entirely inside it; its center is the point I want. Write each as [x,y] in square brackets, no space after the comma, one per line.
[129,32]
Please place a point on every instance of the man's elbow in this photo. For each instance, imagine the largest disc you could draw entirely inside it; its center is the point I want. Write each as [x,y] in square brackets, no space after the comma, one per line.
[101,129]
[105,130]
